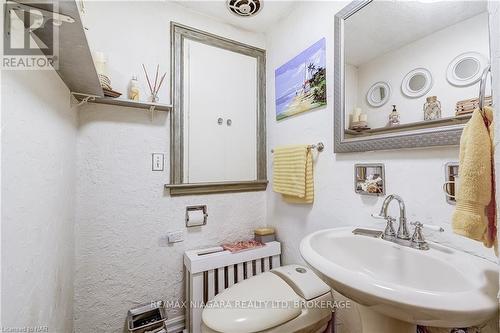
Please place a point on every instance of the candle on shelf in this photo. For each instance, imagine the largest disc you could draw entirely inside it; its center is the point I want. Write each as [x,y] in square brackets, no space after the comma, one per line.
[363,117]
[356,114]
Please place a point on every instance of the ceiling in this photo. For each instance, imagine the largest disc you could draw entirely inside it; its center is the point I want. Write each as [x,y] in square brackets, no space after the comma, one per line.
[272,11]
[383,26]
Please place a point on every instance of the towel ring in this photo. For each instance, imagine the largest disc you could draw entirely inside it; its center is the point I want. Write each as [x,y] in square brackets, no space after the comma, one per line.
[482,88]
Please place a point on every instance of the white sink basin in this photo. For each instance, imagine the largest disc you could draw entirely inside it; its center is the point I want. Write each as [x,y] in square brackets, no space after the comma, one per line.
[439,287]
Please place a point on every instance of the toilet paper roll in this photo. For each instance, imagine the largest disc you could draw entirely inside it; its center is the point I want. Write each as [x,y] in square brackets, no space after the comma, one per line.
[195,218]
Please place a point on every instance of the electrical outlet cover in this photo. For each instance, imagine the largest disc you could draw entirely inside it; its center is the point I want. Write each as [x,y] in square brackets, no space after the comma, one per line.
[158,162]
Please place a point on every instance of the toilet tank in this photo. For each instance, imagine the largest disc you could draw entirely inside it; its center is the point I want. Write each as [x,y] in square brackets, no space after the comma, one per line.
[303,281]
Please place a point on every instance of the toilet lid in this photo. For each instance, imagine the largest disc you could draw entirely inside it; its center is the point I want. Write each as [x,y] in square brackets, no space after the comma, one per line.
[256,304]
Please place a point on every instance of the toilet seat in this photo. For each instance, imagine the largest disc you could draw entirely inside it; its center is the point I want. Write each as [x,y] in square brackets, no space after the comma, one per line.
[270,302]
[252,305]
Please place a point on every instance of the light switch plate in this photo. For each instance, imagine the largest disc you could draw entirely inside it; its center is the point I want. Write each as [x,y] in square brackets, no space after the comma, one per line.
[175,236]
[158,162]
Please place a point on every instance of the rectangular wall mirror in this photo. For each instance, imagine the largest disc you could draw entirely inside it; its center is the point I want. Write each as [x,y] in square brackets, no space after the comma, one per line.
[218,121]
[404,80]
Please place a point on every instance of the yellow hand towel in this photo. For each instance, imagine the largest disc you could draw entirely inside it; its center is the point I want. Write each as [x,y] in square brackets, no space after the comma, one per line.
[293,173]
[470,218]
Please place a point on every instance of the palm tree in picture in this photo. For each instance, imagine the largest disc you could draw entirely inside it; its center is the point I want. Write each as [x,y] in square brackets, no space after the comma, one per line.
[311,68]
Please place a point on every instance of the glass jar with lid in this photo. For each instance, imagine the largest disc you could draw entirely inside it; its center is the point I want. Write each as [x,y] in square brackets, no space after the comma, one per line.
[432,108]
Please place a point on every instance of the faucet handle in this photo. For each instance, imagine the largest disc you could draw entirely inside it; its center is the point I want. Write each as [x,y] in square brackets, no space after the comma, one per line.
[417,239]
[389,228]
[432,227]
[389,231]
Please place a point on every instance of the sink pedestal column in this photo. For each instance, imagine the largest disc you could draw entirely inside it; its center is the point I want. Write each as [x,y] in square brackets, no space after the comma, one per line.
[374,322]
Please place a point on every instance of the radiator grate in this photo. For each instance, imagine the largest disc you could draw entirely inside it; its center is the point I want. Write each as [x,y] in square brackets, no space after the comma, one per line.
[211,271]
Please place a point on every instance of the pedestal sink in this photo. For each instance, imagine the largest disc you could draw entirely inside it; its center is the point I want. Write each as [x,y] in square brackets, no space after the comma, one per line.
[400,287]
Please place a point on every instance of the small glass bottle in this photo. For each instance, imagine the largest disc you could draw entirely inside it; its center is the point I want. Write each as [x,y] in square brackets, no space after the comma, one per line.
[394,117]
[133,90]
[432,108]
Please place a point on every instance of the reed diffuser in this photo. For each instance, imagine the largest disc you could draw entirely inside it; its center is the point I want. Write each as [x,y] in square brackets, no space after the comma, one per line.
[154,89]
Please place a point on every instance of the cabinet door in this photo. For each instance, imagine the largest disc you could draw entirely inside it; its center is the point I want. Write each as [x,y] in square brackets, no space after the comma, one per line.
[219,84]
[203,136]
[241,110]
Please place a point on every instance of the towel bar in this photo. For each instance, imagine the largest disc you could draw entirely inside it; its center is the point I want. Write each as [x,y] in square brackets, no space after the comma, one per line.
[319,147]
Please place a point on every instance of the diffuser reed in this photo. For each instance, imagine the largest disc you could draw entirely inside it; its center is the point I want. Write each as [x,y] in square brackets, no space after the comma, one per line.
[154,89]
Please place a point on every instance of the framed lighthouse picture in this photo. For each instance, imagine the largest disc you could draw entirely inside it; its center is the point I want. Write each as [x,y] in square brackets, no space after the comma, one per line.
[300,84]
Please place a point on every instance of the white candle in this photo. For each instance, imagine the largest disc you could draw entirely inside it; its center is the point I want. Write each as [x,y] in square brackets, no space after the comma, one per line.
[356,114]
[363,117]
[100,63]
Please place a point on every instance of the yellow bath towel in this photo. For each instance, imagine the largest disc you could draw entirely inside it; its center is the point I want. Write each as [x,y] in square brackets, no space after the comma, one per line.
[475,191]
[293,173]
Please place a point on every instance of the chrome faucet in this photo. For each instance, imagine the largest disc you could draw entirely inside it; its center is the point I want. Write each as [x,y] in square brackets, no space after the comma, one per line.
[402,237]
[403,232]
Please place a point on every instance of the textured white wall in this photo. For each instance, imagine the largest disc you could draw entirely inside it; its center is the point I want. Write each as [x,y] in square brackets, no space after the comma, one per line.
[417,175]
[38,189]
[433,52]
[123,213]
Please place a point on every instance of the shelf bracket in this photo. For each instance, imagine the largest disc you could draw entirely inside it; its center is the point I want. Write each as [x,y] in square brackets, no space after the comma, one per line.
[82,100]
[85,100]
[57,18]
[152,110]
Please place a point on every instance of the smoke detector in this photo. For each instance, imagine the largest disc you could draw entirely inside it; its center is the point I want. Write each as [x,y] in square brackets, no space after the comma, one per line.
[245,8]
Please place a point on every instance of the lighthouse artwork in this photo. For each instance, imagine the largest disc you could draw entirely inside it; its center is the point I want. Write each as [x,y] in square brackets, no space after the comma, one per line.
[300,84]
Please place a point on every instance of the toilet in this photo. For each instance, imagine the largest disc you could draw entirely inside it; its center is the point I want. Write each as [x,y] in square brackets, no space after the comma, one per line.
[284,300]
